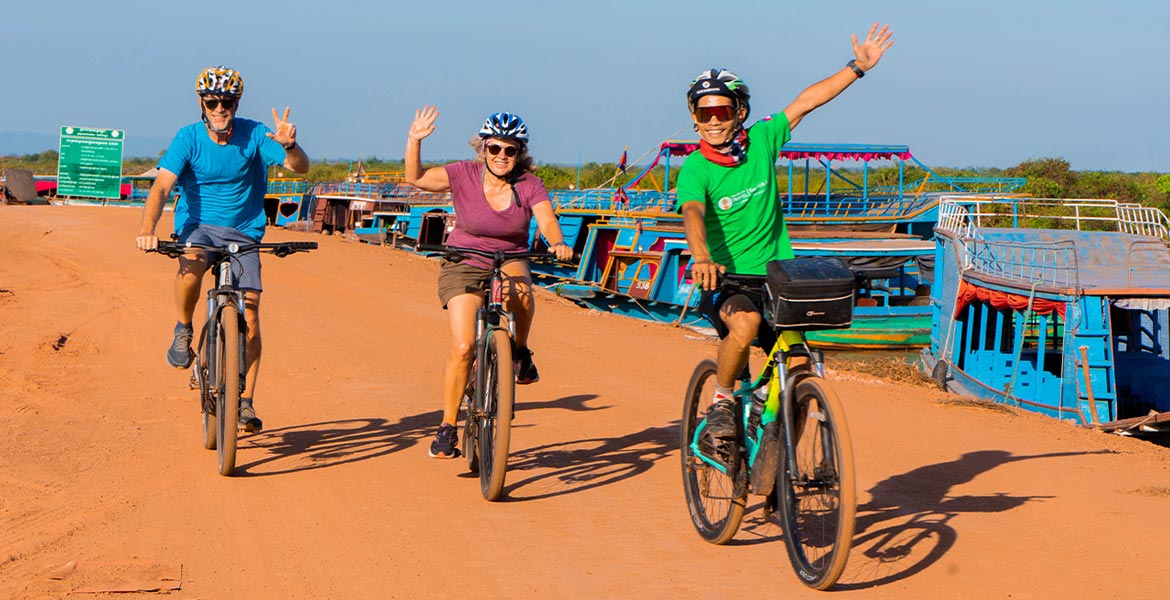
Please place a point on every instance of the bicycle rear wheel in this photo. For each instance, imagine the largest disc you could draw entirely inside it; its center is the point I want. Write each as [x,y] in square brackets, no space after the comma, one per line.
[495,388]
[470,424]
[227,409]
[818,503]
[715,498]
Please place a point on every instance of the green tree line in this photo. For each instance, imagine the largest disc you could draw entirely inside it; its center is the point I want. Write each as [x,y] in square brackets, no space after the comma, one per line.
[1047,177]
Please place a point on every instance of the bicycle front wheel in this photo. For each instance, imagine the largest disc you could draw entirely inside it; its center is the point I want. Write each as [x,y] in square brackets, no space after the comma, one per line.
[495,387]
[818,503]
[714,495]
[207,397]
[227,409]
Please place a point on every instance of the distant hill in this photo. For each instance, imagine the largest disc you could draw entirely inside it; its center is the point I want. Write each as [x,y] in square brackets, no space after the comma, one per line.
[23,142]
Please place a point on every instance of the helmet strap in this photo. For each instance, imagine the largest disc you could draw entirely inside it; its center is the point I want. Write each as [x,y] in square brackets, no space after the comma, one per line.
[226,130]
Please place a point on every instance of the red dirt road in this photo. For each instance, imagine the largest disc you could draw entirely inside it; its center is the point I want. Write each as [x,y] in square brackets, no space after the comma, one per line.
[104,485]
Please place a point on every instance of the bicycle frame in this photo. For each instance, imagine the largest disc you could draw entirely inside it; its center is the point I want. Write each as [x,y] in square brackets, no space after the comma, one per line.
[222,294]
[774,374]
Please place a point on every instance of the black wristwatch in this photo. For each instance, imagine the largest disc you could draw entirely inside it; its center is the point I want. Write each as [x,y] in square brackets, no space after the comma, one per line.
[852,64]
[289,147]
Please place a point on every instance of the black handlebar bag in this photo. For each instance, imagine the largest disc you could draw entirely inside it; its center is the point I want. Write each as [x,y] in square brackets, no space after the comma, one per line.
[809,294]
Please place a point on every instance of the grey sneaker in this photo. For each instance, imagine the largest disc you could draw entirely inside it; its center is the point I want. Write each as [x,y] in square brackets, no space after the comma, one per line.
[179,355]
[248,419]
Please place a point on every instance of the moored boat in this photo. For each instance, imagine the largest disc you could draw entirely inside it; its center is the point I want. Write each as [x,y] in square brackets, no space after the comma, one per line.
[1056,306]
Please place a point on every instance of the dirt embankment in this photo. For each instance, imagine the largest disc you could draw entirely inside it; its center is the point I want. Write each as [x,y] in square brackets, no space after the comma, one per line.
[103,484]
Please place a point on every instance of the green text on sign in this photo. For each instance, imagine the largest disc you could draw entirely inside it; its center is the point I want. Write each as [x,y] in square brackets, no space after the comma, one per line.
[90,165]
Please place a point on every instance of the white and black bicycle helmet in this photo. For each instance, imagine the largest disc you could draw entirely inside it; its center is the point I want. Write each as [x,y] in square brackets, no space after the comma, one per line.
[719,82]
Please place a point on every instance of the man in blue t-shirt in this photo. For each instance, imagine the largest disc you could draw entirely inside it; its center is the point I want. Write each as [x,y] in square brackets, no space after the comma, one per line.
[220,165]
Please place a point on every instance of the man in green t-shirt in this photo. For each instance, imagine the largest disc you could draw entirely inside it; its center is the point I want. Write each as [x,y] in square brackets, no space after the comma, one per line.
[731,213]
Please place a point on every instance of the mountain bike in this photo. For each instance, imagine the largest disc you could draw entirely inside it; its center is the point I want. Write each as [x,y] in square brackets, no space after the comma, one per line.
[791,445]
[220,358]
[491,388]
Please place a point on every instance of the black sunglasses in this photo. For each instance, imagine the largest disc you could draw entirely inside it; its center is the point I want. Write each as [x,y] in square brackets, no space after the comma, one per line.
[509,151]
[214,103]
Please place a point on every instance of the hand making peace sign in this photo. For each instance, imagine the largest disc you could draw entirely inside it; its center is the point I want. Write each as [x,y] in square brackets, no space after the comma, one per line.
[286,133]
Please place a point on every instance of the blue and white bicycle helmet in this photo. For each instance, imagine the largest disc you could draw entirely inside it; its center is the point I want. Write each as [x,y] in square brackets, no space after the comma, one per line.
[505,126]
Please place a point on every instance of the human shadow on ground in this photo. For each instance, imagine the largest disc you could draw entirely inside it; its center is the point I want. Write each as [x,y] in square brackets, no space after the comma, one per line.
[331,443]
[578,465]
[916,508]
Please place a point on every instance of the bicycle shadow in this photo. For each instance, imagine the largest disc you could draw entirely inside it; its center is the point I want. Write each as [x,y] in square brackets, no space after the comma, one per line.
[575,466]
[916,508]
[325,444]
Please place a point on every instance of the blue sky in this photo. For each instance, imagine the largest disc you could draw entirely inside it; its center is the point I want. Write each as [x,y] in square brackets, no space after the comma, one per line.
[988,83]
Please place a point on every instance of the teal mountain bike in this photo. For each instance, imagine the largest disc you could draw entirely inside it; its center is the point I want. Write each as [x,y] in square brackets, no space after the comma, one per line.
[792,445]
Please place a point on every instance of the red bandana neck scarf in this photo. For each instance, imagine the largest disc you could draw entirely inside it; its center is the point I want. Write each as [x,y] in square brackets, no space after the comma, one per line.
[737,150]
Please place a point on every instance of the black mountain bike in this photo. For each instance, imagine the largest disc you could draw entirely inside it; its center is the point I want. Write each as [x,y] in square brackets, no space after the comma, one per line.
[491,388]
[220,362]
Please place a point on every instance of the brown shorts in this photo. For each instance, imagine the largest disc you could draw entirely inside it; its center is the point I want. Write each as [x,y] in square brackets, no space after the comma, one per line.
[459,278]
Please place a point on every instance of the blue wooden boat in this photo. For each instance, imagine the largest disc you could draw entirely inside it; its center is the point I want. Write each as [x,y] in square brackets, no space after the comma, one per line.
[283,200]
[637,267]
[1056,306]
[378,208]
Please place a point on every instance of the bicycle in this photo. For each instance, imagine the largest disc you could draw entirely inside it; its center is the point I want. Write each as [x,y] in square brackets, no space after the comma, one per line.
[491,388]
[221,360]
[792,445]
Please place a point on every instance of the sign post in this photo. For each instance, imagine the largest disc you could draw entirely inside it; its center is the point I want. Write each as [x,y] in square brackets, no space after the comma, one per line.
[90,163]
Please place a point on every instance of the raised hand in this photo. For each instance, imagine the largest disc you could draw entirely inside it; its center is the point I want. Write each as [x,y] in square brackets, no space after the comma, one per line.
[870,51]
[286,133]
[424,123]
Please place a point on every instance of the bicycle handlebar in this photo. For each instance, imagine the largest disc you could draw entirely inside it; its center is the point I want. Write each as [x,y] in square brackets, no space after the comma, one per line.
[280,249]
[502,255]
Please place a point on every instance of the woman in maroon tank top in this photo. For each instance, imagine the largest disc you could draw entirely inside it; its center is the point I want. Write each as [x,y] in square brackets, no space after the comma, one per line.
[495,196]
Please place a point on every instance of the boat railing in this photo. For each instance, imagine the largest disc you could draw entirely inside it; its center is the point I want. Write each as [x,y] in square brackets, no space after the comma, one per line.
[379,191]
[940,183]
[609,199]
[350,189]
[1047,263]
[287,187]
[851,205]
[1051,264]
[1081,214]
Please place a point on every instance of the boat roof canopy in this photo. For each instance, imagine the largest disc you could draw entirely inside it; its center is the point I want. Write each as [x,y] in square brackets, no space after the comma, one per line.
[859,152]
[794,151]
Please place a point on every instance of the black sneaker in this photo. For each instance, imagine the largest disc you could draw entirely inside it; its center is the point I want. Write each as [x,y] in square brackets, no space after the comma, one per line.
[525,369]
[720,427]
[179,355]
[248,419]
[445,441]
